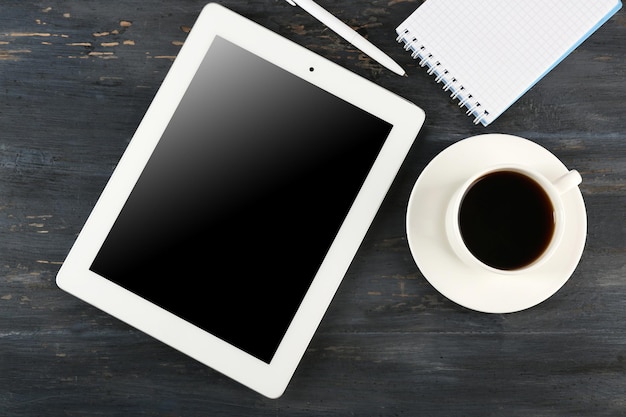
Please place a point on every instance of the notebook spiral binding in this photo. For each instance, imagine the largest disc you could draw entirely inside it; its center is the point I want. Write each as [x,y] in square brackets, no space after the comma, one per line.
[442,75]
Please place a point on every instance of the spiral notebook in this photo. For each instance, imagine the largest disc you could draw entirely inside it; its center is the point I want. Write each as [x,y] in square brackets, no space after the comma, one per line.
[488,53]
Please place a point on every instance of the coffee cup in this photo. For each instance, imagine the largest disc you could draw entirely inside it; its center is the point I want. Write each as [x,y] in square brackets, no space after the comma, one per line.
[508,219]
[445,200]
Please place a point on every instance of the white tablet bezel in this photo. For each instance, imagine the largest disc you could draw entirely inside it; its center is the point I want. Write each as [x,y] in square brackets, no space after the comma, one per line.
[270,379]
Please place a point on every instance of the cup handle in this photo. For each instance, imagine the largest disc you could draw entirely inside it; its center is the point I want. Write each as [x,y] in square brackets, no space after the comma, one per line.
[568,181]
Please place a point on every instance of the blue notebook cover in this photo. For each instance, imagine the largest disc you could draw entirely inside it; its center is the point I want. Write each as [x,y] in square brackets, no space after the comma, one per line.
[488,53]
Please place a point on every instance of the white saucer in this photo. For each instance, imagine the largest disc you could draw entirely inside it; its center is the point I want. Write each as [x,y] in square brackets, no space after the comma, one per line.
[470,286]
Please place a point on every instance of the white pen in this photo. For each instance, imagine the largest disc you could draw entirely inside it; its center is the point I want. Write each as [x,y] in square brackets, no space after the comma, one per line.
[348,34]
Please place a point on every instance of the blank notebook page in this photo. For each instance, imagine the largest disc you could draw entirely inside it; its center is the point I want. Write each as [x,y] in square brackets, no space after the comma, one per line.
[490,52]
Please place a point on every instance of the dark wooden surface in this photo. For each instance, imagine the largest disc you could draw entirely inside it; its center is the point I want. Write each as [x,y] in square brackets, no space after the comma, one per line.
[75,79]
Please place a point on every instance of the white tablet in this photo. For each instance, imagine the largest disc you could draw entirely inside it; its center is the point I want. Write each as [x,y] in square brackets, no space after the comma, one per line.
[241,200]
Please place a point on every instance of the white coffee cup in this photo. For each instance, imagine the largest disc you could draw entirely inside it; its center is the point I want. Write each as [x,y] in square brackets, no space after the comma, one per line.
[553,189]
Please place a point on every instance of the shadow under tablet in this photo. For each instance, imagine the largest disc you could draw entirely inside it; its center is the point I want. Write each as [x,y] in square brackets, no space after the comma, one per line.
[241,199]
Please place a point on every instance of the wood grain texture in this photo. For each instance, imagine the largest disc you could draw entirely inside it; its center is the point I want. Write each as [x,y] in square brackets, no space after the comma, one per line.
[75,80]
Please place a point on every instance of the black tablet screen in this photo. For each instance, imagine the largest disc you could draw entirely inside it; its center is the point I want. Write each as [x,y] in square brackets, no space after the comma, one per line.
[241,199]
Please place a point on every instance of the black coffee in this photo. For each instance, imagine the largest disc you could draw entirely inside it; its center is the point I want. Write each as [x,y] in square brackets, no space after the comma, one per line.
[506,220]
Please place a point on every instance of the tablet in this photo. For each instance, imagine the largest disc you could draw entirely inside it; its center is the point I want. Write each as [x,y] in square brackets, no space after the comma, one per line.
[241,200]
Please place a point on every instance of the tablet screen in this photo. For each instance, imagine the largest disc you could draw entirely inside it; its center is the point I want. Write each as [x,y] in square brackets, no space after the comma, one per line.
[232,216]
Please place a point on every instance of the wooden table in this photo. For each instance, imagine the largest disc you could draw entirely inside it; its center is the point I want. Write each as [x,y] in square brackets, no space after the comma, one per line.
[75,80]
